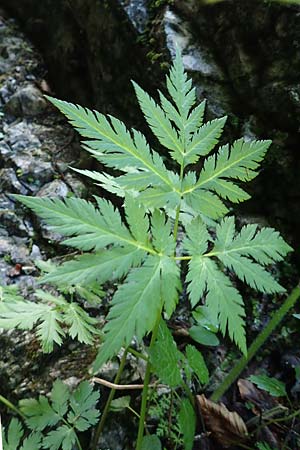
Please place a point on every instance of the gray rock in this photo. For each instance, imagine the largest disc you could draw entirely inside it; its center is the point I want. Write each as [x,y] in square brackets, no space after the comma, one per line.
[9,182]
[21,136]
[33,172]
[76,185]
[196,56]
[14,224]
[5,150]
[109,370]
[137,11]
[27,101]
[113,437]
[56,188]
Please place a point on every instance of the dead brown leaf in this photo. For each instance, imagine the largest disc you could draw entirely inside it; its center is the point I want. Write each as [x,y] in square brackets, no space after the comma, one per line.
[226,427]
[260,399]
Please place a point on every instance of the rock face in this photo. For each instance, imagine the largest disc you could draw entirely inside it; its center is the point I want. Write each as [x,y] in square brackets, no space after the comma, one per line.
[89,48]
[246,68]
[32,138]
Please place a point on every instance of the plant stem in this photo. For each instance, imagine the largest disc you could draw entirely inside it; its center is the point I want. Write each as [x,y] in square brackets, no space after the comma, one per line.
[108,402]
[256,344]
[137,354]
[11,406]
[146,386]
[77,441]
[175,230]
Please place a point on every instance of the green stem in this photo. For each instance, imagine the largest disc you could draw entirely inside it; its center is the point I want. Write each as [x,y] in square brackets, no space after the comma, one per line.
[145,388]
[108,402]
[175,230]
[11,406]
[137,354]
[77,441]
[256,344]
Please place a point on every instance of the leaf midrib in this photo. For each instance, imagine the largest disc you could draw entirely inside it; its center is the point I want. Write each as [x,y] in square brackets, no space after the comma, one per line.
[98,129]
[217,174]
[105,231]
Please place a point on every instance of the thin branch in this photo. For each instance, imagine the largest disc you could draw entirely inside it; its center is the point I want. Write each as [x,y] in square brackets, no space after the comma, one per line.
[124,387]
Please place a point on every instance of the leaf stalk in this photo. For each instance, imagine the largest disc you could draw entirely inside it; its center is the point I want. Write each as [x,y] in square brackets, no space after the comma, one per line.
[146,387]
[256,344]
[108,402]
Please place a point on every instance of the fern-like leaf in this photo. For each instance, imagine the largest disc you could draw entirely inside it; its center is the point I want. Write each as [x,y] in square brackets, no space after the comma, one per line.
[239,163]
[223,301]
[233,251]
[138,297]
[204,140]
[88,268]
[113,145]
[180,88]
[93,229]
[165,357]
[13,436]
[159,122]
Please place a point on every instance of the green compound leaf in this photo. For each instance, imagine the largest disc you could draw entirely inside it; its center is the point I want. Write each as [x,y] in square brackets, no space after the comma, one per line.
[93,228]
[271,385]
[25,315]
[139,296]
[81,325]
[33,441]
[203,336]
[60,396]
[119,404]
[164,357]
[39,414]
[13,436]
[224,303]
[151,442]
[233,252]
[197,364]
[112,144]
[187,423]
[137,242]
[62,438]
[89,268]
[204,140]
[83,402]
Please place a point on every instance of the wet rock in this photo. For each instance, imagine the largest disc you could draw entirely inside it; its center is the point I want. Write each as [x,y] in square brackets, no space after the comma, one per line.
[35,253]
[196,56]
[77,187]
[109,370]
[9,182]
[33,172]
[4,268]
[14,224]
[56,188]
[21,135]
[138,13]
[113,437]
[5,150]
[27,101]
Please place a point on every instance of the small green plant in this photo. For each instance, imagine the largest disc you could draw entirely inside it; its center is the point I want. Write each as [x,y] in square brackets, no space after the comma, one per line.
[54,424]
[53,317]
[140,244]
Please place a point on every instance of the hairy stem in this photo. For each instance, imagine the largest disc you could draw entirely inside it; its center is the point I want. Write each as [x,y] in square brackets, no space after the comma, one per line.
[108,402]
[256,344]
[145,389]
[11,406]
